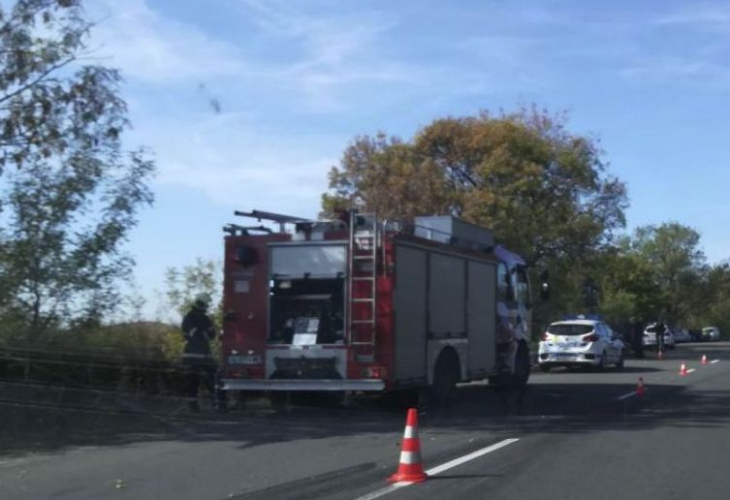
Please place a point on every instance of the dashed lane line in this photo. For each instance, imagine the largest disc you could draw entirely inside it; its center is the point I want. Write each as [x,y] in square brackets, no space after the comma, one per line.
[628,395]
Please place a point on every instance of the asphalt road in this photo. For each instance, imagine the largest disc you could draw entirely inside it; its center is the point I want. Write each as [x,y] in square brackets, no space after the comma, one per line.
[575,435]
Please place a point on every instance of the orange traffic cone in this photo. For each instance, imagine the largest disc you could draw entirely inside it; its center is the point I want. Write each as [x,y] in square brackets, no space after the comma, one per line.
[410,468]
[640,389]
[683,370]
[704,360]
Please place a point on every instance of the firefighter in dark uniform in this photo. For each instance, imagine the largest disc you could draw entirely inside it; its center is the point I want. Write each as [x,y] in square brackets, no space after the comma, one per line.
[660,329]
[637,338]
[200,365]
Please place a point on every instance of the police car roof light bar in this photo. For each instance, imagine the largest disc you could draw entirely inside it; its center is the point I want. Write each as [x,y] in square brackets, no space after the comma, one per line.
[592,317]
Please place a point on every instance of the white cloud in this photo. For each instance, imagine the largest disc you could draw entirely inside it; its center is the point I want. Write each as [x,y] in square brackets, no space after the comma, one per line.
[225,156]
[150,47]
[679,68]
[327,40]
[509,50]
[334,50]
[709,16]
[695,52]
[315,61]
[230,163]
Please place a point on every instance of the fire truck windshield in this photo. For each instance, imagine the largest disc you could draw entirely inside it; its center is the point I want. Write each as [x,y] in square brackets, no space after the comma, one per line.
[306,260]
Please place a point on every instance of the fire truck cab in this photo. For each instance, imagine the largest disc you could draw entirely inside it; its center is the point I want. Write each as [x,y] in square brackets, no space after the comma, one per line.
[362,304]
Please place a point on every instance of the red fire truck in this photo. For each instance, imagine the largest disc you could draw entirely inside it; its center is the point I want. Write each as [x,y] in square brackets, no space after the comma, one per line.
[362,304]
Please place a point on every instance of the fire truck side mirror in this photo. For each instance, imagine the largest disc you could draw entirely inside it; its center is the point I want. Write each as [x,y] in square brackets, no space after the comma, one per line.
[545,285]
[246,256]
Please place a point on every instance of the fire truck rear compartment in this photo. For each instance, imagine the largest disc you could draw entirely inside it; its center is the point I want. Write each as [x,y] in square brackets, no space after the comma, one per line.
[307,311]
[307,293]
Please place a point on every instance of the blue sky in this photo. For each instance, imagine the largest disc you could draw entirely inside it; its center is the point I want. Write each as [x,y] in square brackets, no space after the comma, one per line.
[297,80]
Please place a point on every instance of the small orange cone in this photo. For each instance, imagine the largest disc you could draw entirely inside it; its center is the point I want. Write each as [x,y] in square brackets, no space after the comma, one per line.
[640,389]
[410,468]
[704,360]
[683,370]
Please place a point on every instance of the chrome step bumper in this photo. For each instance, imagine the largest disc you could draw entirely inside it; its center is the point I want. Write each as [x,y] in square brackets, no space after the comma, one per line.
[374,385]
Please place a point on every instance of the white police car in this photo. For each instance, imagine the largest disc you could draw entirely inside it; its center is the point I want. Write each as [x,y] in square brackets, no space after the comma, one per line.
[650,337]
[580,342]
[711,333]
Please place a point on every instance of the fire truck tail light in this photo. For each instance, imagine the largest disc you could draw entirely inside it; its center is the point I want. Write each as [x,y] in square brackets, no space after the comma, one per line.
[378,372]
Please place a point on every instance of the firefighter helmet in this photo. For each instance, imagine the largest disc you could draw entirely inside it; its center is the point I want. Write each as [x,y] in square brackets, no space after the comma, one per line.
[202,301]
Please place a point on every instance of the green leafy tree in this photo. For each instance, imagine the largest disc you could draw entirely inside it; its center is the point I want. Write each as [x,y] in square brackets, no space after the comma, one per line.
[388,175]
[51,104]
[673,253]
[628,288]
[70,192]
[711,300]
[544,190]
[183,284]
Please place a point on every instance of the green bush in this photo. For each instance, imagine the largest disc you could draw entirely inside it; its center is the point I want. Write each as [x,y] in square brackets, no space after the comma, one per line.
[143,356]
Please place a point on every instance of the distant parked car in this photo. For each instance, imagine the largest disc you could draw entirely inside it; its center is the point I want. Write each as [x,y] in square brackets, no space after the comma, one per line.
[695,335]
[681,335]
[650,337]
[711,333]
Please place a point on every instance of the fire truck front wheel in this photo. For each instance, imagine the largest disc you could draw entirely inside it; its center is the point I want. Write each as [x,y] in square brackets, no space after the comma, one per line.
[522,367]
[445,377]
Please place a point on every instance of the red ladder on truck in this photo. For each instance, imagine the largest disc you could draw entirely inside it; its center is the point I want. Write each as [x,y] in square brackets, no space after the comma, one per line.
[362,300]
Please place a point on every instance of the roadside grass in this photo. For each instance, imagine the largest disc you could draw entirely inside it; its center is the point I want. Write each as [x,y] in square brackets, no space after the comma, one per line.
[141,356]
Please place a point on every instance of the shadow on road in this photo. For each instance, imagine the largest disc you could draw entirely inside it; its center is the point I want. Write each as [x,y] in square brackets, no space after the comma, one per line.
[554,406]
[547,407]
[626,369]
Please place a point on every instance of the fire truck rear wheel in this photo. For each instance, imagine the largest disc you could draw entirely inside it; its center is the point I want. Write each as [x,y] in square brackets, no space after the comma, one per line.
[445,377]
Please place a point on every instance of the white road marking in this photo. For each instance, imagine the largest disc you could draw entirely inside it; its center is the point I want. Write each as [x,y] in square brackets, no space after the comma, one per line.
[440,468]
[471,456]
[630,394]
[627,395]
[384,491]
[714,361]
[691,370]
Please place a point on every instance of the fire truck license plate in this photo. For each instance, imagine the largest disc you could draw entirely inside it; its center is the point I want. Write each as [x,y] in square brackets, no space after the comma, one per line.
[244,360]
